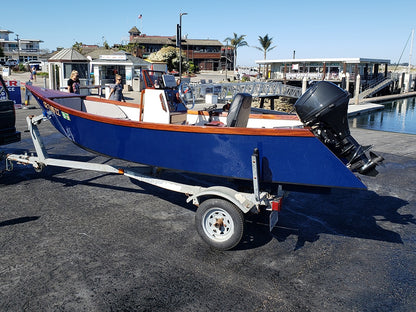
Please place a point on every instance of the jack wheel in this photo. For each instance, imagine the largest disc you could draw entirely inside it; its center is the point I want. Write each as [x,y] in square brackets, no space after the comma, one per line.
[39,168]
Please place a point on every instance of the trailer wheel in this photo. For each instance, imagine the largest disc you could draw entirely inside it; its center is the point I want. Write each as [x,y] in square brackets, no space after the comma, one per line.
[219,223]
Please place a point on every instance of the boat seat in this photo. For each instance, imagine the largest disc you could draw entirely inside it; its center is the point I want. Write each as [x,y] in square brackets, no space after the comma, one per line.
[240,109]
[238,113]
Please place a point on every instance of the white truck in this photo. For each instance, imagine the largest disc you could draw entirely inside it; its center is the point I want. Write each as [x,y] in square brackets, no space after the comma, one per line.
[247,71]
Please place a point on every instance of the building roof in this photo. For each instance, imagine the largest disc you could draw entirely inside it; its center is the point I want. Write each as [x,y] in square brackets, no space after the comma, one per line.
[352,60]
[163,40]
[206,42]
[168,40]
[120,57]
[29,40]
[95,53]
[68,55]
[134,30]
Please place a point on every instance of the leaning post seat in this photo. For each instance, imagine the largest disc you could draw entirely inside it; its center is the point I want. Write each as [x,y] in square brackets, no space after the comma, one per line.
[238,113]
[240,109]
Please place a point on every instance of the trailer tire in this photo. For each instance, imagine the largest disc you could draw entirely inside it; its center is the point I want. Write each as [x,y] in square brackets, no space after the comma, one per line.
[220,223]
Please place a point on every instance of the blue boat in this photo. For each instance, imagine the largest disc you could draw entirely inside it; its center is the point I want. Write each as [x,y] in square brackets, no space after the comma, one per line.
[160,131]
[310,151]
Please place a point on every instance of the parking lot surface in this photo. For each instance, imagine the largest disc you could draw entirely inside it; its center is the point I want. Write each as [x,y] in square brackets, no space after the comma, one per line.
[74,240]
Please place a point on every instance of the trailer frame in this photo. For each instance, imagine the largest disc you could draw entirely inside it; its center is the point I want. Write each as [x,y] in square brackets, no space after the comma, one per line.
[211,225]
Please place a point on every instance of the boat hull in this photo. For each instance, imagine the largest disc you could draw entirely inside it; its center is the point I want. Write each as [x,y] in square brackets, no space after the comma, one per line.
[286,156]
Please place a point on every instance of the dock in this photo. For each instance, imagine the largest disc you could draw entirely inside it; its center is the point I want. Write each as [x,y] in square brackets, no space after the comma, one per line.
[355,110]
[389,97]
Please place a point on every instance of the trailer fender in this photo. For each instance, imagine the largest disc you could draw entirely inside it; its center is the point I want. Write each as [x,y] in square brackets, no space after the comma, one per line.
[243,201]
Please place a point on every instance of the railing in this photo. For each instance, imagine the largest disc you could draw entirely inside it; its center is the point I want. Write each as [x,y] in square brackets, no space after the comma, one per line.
[226,91]
[372,81]
[375,86]
[308,76]
[15,50]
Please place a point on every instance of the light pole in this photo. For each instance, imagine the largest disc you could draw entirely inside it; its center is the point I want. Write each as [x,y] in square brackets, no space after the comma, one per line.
[179,34]
[18,48]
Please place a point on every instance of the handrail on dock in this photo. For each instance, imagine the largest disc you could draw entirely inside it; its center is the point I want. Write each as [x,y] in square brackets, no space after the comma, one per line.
[226,91]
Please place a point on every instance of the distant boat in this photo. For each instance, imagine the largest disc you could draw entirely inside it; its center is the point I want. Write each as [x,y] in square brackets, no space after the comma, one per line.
[160,131]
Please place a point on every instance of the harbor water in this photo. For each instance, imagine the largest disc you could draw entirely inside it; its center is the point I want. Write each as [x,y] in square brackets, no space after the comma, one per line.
[397,116]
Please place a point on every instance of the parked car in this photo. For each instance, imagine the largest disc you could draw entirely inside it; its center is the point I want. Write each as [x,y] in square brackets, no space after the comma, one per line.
[8,133]
[36,64]
[11,62]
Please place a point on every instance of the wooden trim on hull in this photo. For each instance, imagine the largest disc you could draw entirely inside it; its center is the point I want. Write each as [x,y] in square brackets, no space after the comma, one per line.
[296,132]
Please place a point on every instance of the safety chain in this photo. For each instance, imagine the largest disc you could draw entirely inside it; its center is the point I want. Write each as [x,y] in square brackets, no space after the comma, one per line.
[8,165]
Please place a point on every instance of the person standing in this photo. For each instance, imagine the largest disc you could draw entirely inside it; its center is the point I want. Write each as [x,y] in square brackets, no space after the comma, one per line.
[34,73]
[73,82]
[116,92]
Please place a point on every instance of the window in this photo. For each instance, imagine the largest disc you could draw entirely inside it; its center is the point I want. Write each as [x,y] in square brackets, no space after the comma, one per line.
[82,70]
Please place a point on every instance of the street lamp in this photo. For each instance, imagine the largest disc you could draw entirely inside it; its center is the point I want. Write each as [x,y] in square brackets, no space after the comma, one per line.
[179,34]
[18,48]
[226,61]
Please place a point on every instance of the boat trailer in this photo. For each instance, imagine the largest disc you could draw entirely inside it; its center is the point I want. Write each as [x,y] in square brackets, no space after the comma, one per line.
[219,217]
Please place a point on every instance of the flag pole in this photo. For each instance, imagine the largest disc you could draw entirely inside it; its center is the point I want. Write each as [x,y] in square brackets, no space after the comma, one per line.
[141,22]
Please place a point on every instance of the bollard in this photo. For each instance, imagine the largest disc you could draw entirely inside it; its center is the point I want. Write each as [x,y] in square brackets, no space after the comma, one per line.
[304,84]
[27,93]
[408,82]
[347,85]
[401,82]
[357,89]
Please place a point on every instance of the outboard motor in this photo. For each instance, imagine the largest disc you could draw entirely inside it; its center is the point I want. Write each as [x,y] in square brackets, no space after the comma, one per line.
[324,108]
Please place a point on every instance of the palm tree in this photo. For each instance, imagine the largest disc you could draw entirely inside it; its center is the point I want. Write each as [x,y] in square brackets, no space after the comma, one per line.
[265,43]
[236,42]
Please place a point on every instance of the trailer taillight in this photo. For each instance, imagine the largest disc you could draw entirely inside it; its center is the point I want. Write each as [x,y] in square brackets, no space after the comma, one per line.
[277,204]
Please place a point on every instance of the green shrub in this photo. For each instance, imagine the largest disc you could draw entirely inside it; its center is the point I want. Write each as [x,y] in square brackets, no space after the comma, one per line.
[245,78]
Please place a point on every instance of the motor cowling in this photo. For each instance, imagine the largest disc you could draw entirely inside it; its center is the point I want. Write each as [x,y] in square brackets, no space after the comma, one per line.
[324,108]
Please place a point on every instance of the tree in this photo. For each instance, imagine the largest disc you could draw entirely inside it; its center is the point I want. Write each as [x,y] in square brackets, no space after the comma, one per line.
[78,46]
[169,55]
[236,42]
[265,43]
[133,48]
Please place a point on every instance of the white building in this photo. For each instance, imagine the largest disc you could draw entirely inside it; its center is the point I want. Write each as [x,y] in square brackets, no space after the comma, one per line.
[313,69]
[128,66]
[23,50]
[63,63]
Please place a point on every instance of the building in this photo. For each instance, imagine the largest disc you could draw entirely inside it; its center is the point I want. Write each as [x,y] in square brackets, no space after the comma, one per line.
[23,50]
[313,69]
[62,63]
[128,66]
[207,54]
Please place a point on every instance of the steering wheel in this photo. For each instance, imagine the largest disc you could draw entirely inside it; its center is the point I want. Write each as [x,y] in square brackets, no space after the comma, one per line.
[184,90]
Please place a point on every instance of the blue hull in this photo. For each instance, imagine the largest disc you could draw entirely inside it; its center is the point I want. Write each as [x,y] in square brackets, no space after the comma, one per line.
[294,157]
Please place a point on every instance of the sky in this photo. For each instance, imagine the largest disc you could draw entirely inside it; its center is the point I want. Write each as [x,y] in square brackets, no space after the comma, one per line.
[314,29]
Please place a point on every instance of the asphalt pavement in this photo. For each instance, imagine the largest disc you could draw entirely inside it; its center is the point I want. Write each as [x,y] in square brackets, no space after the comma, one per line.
[74,240]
